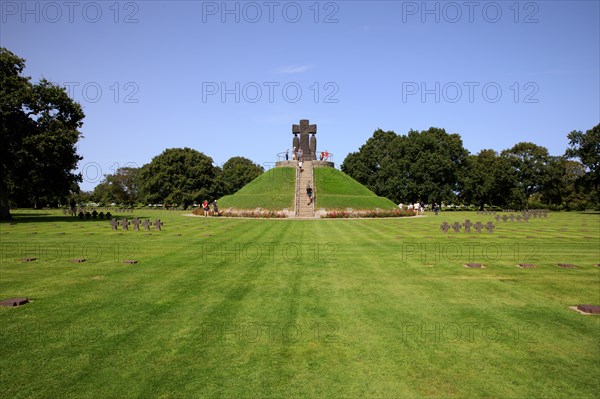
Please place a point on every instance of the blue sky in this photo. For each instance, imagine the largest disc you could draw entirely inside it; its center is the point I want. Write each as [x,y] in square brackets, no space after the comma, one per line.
[230,78]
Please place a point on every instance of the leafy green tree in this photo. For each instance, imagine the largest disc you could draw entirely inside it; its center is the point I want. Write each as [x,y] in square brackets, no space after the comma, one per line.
[488,179]
[586,147]
[237,172]
[419,166]
[530,163]
[178,176]
[120,187]
[38,132]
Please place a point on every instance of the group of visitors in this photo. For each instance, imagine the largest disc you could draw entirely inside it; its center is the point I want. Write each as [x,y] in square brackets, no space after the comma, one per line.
[210,208]
[419,207]
[324,155]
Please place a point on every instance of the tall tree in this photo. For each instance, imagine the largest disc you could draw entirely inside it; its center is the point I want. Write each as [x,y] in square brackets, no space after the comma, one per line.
[39,128]
[419,166]
[488,179]
[237,172]
[120,187]
[586,147]
[178,176]
[530,163]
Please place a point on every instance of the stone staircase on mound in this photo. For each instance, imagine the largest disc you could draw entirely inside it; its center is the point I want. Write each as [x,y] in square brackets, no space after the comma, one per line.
[304,178]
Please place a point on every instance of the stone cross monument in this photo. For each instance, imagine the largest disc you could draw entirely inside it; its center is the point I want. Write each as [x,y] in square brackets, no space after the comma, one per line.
[308,145]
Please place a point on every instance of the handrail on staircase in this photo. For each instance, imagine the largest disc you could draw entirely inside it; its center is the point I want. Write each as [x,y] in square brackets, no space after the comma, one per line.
[296,197]
[314,188]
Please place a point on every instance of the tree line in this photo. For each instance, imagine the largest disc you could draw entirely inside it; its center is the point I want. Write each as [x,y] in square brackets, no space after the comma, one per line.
[40,127]
[178,176]
[433,166]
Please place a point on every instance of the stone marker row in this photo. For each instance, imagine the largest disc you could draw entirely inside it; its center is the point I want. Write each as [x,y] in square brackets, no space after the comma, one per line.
[456,226]
[136,224]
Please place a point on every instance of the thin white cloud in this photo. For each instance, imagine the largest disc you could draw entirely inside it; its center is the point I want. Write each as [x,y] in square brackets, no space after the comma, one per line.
[294,69]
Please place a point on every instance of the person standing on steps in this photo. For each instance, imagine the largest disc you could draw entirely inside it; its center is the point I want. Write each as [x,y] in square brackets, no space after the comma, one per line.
[300,165]
[309,193]
[299,154]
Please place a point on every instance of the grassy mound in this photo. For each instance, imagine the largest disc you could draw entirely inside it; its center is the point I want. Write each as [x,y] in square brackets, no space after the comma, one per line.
[337,190]
[273,190]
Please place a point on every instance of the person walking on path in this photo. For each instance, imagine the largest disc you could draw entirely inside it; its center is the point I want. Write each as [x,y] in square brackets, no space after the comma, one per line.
[205,207]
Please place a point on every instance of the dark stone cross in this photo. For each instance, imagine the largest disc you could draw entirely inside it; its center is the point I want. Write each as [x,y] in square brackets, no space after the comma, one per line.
[306,144]
[478,226]
[456,227]
[94,214]
[445,227]
[467,225]
[101,215]
[136,223]
[158,224]
[146,223]
[490,227]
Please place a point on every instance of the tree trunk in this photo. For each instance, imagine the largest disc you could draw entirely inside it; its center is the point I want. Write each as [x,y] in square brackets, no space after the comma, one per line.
[4,207]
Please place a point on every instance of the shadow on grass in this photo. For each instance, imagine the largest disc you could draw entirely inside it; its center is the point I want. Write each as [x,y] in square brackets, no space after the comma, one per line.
[22,217]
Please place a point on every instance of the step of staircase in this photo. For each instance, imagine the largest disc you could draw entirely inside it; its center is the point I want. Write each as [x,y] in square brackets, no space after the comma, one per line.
[304,210]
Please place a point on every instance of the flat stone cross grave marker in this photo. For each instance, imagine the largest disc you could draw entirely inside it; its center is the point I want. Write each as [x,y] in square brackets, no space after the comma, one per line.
[566,265]
[136,223]
[474,265]
[478,226]
[490,227]
[445,227]
[526,266]
[146,223]
[467,225]
[589,309]
[456,227]
[14,302]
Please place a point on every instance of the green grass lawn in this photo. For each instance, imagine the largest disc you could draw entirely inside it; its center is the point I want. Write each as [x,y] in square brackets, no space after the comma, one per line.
[337,190]
[272,190]
[299,308]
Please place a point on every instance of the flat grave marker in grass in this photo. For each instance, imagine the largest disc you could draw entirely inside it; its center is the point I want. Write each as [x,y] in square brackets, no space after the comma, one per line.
[130,261]
[27,259]
[77,260]
[526,266]
[566,265]
[14,302]
[586,309]
[472,265]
